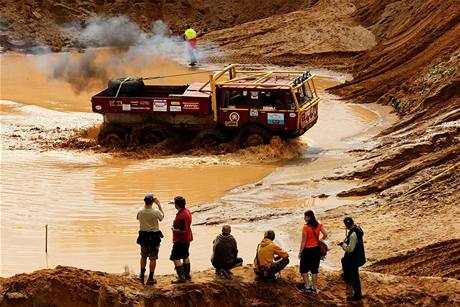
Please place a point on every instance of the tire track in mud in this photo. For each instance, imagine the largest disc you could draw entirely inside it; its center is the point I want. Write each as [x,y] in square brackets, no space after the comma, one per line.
[440,259]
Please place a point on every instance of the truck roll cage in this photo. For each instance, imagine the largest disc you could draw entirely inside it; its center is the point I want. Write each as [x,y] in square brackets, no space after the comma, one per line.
[242,76]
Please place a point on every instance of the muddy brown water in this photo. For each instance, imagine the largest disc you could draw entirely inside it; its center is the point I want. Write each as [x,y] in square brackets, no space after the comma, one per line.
[89,200]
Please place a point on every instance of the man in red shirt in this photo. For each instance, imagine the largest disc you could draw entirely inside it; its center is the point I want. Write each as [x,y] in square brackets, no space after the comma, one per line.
[182,236]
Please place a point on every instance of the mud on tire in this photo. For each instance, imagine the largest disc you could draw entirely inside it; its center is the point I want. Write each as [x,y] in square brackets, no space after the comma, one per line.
[253,135]
[112,136]
[209,138]
[151,136]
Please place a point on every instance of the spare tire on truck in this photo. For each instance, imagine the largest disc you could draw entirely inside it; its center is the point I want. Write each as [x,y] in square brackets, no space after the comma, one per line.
[126,87]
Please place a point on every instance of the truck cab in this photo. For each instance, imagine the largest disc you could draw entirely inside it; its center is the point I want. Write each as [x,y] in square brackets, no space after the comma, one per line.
[260,104]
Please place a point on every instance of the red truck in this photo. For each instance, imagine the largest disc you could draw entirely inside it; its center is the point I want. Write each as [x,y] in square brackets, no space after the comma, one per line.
[238,102]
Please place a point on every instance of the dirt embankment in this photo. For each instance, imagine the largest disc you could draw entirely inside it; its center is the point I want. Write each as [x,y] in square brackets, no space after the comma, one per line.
[409,58]
[415,69]
[28,23]
[66,286]
[324,35]
[439,259]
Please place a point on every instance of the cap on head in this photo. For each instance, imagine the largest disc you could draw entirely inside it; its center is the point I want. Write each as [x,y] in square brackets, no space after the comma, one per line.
[148,198]
[348,221]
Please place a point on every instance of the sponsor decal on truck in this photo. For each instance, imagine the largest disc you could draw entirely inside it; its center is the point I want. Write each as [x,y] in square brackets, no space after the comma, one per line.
[191,105]
[275,118]
[160,106]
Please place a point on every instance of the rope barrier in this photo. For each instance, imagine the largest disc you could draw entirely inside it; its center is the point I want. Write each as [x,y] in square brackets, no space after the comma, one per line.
[179,75]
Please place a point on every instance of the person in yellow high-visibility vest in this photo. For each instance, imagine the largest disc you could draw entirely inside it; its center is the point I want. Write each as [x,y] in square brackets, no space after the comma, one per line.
[190,41]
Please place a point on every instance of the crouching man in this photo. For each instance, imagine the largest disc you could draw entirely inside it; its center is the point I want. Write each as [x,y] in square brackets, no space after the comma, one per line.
[225,252]
[265,263]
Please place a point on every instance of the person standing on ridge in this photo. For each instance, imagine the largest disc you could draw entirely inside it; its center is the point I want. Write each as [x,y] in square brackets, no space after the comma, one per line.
[225,252]
[190,42]
[354,256]
[149,235]
[310,253]
[182,236]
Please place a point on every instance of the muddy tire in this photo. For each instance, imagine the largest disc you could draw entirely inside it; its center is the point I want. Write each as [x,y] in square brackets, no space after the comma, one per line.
[151,136]
[209,138]
[253,135]
[112,136]
[129,87]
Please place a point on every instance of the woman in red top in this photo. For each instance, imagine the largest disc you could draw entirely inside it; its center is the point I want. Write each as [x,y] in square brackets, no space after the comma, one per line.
[309,253]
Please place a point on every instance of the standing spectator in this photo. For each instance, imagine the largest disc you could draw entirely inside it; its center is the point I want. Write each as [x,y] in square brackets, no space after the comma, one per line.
[264,265]
[225,252]
[310,254]
[182,236]
[190,42]
[149,235]
[354,256]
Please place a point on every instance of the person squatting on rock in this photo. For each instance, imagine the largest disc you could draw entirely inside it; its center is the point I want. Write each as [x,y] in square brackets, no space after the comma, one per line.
[225,252]
[309,253]
[182,236]
[354,256]
[149,235]
[190,42]
[265,263]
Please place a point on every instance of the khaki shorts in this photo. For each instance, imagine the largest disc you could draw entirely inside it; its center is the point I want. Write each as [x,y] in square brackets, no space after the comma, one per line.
[150,251]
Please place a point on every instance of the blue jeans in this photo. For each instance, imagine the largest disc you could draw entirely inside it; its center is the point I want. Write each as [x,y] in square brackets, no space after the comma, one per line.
[191,53]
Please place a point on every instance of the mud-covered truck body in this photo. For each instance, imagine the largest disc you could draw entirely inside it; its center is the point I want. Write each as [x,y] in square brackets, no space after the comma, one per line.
[238,101]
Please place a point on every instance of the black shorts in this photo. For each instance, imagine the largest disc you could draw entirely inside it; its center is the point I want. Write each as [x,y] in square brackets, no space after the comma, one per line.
[309,260]
[179,251]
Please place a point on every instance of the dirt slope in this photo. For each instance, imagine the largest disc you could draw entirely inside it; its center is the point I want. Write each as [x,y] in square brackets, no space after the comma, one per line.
[420,262]
[325,35]
[401,53]
[415,69]
[26,23]
[66,286]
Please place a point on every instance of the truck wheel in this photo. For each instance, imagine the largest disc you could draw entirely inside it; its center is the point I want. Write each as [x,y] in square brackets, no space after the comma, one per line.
[112,136]
[151,136]
[209,138]
[129,86]
[253,135]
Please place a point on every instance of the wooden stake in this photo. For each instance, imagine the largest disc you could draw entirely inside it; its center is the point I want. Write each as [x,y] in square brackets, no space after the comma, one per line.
[46,239]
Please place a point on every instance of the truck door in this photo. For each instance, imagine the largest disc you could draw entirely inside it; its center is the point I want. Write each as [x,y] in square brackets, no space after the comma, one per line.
[234,111]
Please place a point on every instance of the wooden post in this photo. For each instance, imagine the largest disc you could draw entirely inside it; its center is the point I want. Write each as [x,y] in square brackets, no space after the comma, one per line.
[46,239]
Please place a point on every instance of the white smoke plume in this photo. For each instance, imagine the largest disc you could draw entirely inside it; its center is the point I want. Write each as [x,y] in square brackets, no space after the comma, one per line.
[127,43]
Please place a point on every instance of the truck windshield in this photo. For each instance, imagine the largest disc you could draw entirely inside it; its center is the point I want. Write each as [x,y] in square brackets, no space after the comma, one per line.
[304,94]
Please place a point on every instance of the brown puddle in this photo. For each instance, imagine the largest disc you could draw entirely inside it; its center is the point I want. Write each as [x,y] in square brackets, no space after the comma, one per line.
[90,200]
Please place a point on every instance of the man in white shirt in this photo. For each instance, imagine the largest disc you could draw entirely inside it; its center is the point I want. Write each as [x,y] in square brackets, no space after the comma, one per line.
[149,235]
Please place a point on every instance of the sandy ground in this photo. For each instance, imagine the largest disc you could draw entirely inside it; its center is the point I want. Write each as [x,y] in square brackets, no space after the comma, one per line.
[88,288]
[401,54]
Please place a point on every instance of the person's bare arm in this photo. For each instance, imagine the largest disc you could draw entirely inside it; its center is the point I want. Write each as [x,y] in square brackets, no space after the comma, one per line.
[324,232]
[302,242]
[162,215]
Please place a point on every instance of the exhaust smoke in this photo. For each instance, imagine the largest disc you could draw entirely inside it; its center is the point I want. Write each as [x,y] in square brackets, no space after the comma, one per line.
[126,44]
